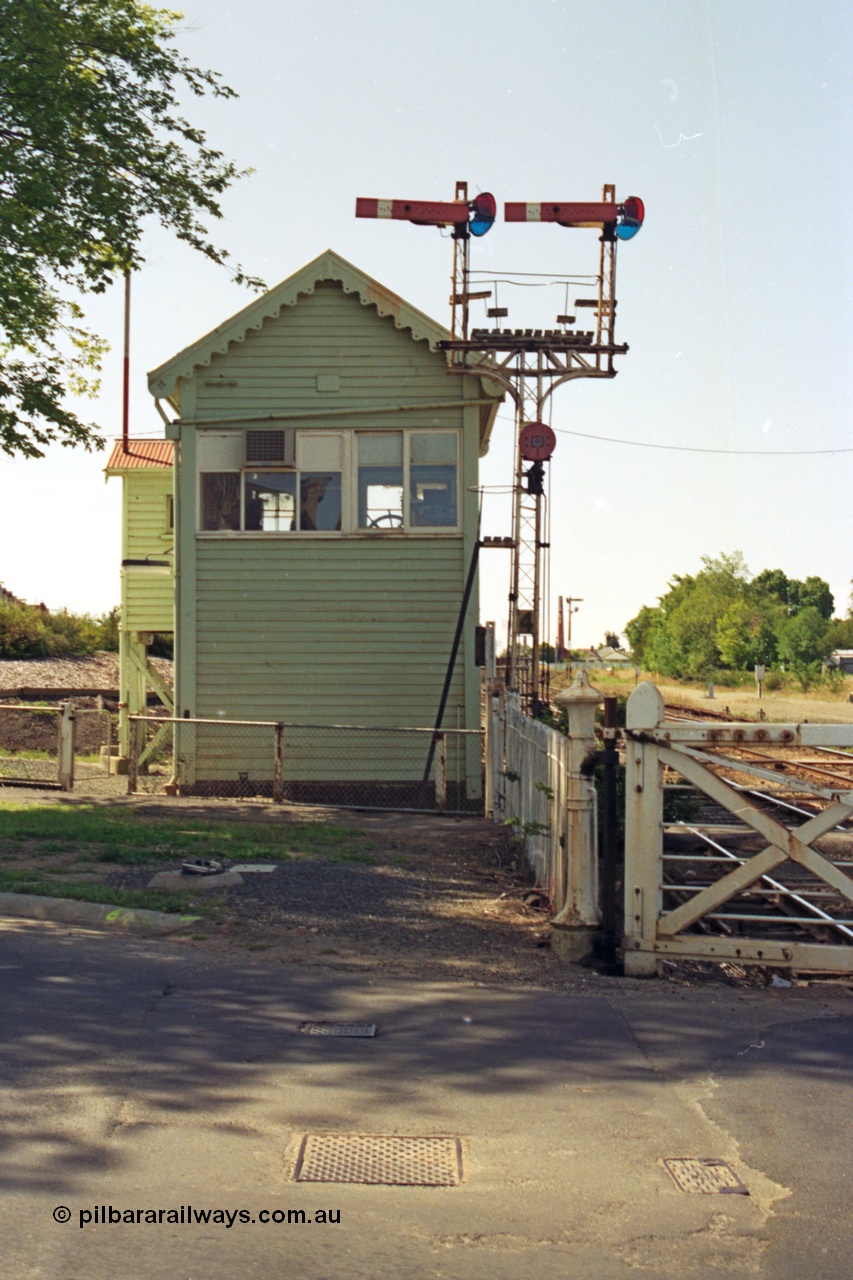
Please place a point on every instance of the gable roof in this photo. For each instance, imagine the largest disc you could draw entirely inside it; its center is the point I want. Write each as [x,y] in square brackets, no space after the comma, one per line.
[140,455]
[328,266]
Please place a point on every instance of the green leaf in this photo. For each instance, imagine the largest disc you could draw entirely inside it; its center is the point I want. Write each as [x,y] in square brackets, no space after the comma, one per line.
[93,145]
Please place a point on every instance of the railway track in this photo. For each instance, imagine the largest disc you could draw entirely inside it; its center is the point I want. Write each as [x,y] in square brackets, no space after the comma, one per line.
[824,767]
[791,903]
[676,711]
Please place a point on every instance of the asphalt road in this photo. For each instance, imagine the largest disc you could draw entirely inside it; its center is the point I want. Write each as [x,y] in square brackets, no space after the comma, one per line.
[143,1076]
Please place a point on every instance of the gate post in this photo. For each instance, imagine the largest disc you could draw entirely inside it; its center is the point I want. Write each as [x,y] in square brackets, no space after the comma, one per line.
[579,917]
[643,832]
[278,764]
[440,772]
[65,750]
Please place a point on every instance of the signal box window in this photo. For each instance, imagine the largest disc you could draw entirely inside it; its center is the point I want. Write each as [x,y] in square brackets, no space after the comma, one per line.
[270,501]
[380,480]
[404,480]
[320,501]
[432,480]
[220,501]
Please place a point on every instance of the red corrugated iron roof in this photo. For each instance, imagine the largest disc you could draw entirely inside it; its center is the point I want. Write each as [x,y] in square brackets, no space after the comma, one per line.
[141,454]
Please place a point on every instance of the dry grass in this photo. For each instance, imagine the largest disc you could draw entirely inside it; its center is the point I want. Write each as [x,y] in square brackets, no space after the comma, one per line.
[785,706]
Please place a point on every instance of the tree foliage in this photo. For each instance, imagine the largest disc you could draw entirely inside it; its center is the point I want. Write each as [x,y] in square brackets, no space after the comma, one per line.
[93,144]
[31,631]
[721,618]
[795,595]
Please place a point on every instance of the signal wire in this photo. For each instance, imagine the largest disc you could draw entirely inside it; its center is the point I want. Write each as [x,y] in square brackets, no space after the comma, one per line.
[687,448]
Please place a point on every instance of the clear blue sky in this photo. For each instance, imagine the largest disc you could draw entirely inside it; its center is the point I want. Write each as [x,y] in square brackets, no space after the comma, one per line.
[730,118]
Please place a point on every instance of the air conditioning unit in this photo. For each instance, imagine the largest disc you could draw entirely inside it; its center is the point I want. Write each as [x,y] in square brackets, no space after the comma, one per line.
[270,448]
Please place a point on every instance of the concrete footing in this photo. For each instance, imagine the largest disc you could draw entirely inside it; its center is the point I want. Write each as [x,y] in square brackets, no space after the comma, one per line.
[112,762]
[572,942]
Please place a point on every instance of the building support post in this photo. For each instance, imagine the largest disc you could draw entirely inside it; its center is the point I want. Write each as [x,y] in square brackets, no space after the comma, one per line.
[124,669]
[134,740]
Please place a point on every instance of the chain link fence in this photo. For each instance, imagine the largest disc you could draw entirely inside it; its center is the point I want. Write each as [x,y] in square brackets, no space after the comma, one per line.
[95,735]
[349,766]
[29,744]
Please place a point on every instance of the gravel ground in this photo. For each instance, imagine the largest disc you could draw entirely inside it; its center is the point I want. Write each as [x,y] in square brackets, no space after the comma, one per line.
[440,897]
[100,671]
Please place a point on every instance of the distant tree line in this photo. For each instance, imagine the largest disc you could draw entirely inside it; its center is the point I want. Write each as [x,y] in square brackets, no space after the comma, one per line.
[721,619]
[32,631]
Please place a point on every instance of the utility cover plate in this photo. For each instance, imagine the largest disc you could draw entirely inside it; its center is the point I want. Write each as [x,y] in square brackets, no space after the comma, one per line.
[379,1160]
[338,1028]
[705,1176]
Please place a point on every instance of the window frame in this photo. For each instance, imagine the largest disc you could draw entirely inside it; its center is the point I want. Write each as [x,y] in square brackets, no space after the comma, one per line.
[349,473]
[407,529]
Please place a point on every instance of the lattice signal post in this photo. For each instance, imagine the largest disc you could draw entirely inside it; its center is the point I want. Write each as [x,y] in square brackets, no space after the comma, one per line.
[530,364]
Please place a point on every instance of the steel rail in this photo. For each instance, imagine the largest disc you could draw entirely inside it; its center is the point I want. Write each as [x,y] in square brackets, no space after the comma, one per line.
[735,765]
[786,763]
[822,916]
[784,804]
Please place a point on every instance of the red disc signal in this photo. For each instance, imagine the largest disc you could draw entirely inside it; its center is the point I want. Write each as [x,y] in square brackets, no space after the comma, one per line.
[537,442]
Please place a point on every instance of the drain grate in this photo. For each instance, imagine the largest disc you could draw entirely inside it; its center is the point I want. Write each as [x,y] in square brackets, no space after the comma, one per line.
[379,1160]
[706,1176]
[338,1028]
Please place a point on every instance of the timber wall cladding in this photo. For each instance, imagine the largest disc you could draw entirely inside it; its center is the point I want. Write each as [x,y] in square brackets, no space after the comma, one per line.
[148,592]
[149,599]
[349,631]
[327,333]
[147,533]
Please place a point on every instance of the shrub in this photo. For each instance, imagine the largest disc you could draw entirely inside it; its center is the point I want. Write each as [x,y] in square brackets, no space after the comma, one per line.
[23,633]
[833,679]
[807,673]
[107,626]
[71,634]
[30,632]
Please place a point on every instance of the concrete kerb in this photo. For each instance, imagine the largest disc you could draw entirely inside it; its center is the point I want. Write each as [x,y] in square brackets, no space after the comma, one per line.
[92,914]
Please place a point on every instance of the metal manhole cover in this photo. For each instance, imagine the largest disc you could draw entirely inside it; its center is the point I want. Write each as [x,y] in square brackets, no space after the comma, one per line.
[707,1176]
[338,1028]
[379,1160]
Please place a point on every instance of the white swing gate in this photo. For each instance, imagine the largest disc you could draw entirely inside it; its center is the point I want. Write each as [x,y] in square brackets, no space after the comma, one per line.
[765,918]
